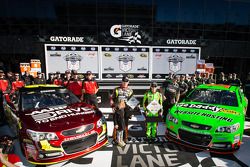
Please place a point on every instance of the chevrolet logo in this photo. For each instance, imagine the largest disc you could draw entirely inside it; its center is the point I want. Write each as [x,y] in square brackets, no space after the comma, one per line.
[194,126]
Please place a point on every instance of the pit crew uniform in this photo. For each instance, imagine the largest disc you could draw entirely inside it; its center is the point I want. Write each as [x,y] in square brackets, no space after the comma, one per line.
[4,88]
[147,99]
[75,86]
[90,88]
[17,85]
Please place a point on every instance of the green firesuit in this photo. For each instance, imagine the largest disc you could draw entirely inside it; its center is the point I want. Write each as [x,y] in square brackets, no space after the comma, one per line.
[147,99]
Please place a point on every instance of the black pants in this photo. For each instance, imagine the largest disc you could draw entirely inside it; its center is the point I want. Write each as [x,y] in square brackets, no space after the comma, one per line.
[91,99]
[166,108]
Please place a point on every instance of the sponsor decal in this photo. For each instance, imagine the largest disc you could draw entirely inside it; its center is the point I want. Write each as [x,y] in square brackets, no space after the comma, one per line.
[66,39]
[230,112]
[53,48]
[79,136]
[158,56]
[119,76]
[107,55]
[200,106]
[125,62]
[109,69]
[53,114]
[143,55]
[73,61]
[129,33]
[141,76]
[158,76]
[175,63]
[55,54]
[221,118]
[91,55]
[63,48]
[142,69]
[191,57]
[108,76]
[181,42]
[130,76]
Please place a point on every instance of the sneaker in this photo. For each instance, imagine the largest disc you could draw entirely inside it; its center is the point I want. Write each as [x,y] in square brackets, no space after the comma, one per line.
[121,144]
[124,144]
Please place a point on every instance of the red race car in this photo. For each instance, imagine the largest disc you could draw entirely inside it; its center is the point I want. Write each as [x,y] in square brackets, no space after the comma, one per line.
[53,125]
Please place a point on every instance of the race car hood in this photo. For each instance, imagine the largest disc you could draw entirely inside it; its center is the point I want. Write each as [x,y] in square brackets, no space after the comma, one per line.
[58,118]
[207,114]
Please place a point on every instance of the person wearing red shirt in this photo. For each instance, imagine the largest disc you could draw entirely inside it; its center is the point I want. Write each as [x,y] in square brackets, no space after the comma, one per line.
[67,78]
[75,85]
[7,159]
[4,88]
[4,83]
[58,80]
[90,88]
[17,83]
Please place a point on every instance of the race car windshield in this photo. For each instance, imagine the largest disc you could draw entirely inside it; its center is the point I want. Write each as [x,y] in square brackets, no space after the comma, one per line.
[45,99]
[210,96]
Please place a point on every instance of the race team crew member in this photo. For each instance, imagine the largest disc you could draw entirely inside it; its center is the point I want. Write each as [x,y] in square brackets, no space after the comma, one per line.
[4,83]
[7,159]
[4,88]
[75,85]
[90,88]
[27,78]
[171,95]
[149,96]
[122,92]
[17,83]
[39,79]
[58,80]
[183,87]
[67,78]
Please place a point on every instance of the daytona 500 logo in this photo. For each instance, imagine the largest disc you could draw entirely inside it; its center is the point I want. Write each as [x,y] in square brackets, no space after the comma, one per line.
[52,114]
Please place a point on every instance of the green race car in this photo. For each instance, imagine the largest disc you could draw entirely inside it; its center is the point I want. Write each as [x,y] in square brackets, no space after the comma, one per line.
[210,117]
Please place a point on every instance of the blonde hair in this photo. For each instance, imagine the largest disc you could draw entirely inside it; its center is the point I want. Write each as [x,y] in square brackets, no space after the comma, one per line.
[121,103]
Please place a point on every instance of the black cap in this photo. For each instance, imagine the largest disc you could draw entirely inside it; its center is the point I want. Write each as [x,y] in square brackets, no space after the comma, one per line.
[58,72]
[88,72]
[74,72]
[38,72]
[67,72]
[125,79]
[153,84]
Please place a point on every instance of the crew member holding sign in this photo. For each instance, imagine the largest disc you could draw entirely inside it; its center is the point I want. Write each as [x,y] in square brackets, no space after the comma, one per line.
[152,105]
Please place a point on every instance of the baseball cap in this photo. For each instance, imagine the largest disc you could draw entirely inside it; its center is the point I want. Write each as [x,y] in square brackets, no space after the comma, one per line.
[88,72]
[58,72]
[125,79]
[74,72]
[153,84]
[1,71]
[67,72]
